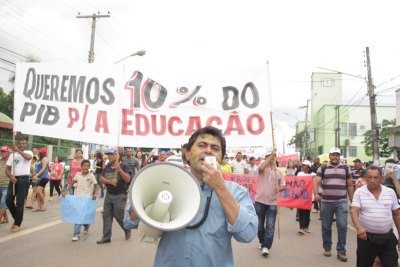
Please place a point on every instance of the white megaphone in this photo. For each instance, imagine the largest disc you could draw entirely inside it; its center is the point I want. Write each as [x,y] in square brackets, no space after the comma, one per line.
[165,197]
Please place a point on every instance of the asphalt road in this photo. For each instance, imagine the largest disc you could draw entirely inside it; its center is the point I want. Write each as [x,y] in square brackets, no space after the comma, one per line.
[46,241]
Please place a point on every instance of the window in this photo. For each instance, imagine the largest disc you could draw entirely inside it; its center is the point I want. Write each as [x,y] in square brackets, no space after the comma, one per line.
[352,151]
[343,128]
[352,129]
[327,82]
[343,151]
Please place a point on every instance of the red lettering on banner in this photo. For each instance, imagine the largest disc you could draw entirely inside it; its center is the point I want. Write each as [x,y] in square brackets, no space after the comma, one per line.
[171,121]
[250,124]
[234,120]
[126,122]
[84,118]
[193,124]
[212,119]
[145,123]
[163,126]
[102,122]
[249,181]
[73,115]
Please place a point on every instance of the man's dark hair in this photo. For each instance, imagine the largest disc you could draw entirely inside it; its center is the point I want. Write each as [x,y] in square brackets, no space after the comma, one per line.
[85,161]
[374,168]
[211,131]
[390,161]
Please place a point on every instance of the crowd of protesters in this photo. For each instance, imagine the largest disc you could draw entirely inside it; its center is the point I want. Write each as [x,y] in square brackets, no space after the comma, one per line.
[332,181]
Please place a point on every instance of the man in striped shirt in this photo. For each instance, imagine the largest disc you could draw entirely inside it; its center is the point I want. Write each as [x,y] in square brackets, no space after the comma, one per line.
[336,183]
[372,208]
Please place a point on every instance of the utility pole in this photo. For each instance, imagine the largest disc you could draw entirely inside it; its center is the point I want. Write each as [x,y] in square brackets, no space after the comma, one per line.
[371,94]
[305,137]
[94,17]
[337,129]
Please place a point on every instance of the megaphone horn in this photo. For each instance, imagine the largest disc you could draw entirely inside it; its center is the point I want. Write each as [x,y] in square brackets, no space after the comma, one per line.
[165,197]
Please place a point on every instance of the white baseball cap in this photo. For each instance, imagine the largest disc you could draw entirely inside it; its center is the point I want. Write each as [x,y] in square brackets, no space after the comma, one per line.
[334,150]
[307,162]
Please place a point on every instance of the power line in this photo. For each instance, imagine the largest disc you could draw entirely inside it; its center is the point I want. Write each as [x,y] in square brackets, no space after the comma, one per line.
[8,50]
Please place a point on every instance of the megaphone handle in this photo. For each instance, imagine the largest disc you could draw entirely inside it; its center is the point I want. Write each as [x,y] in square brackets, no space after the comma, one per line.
[206,210]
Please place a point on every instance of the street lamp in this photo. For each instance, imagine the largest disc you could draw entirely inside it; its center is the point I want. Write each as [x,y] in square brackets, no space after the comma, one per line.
[138,53]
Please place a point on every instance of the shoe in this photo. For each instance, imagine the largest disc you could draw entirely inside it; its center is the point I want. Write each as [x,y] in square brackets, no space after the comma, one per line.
[75,238]
[342,256]
[301,232]
[103,241]
[127,235]
[15,228]
[334,220]
[307,230]
[327,253]
[265,252]
[314,211]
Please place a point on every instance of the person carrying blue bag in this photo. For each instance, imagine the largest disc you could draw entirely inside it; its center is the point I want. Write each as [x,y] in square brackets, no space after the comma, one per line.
[85,184]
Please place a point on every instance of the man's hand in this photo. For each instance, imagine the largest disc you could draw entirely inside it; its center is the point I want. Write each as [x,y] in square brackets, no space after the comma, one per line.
[14,147]
[94,197]
[13,179]
[361,233]
[113,182]
[317,197]
[212,177]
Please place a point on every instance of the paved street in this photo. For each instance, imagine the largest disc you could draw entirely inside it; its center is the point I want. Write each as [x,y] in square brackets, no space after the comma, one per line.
[46,241]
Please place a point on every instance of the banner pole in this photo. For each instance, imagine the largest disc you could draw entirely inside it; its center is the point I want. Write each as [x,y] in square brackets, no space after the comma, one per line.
[13,166]
[276,180]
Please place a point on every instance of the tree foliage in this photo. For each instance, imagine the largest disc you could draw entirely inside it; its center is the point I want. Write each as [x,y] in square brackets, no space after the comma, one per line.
[383,139]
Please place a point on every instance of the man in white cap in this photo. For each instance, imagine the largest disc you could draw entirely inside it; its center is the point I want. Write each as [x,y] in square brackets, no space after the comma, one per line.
[336,183]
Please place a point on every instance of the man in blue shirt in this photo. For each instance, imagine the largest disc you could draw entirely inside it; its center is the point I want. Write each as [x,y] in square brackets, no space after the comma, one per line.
[230,214]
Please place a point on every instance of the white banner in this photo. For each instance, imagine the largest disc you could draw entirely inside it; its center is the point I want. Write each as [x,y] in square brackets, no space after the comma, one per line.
[118,106]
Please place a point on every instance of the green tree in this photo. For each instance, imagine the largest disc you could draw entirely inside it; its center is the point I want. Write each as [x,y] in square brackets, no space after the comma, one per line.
[383,139]
[298,140]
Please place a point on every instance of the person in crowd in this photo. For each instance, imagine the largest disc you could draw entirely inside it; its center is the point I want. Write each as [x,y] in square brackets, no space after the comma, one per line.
[85,185]
[67,166]
[371,207]
[304,215]
[358,170]
[290,169]
[140,157]
[18,169]
[35,152]
[336,183]
[390,176]
[252,168]
[225,167]
[92,158]
[131,161]
[230,213]
[42,173]
[120,153]
[162,156]
[32,182]
[75,166]
[56,175]
[316,164]
[4,180]
[99,166]
[239,165]
[185,158]
[297,165]
[115,177]
[270,183]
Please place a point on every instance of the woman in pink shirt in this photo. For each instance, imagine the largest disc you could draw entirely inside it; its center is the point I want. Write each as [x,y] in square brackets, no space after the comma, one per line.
[56,174]
[75,167]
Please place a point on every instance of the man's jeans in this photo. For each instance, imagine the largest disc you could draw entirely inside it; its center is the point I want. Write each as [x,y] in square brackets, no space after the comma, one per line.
[340,210]
[266,223]
[21,191]
[77,229]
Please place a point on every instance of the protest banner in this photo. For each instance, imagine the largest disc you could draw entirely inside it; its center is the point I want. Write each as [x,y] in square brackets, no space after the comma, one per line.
[118,105]
[298,192]
[249,181]
[78,209]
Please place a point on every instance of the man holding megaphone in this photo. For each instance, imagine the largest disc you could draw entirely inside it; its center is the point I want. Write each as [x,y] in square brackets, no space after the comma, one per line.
[226,211]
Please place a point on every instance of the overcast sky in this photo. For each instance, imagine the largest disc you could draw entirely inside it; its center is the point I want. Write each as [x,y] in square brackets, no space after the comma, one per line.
[295,37]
